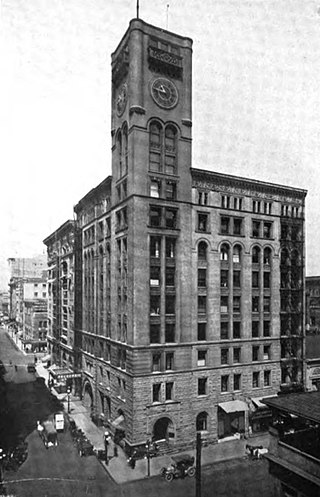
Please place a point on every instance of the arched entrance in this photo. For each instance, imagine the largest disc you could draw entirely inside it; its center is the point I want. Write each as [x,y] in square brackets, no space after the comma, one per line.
[87,396]
[163,429]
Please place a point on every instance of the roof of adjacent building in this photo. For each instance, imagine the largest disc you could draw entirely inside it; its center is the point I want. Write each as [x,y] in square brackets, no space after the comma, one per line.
[305,405]
[313,347]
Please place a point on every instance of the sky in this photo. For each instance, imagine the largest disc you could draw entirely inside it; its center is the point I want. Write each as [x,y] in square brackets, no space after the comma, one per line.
[256,102]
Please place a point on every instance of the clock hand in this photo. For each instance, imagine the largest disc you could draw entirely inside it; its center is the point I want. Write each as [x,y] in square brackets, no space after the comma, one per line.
[161,89]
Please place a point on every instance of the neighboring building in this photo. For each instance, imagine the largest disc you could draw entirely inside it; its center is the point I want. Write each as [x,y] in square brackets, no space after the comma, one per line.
[192,281]
[4,303]
[62,302]
[35,325]
[294,446]
[312,305]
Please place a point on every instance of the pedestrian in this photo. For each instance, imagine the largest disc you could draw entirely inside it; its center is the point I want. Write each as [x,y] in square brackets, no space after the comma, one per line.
[115,451]
[106,438]
[40,429]
[16,367]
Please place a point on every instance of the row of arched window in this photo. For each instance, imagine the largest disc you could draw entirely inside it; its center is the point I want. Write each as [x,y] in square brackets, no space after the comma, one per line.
[234,253]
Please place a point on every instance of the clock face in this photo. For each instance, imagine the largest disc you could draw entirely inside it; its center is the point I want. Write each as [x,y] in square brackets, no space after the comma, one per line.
[121,100]
[164,93]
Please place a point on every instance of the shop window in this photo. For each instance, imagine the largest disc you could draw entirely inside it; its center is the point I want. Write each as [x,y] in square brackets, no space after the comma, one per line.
[224,300]
[237,355]
[169,361]
[203,224]
[236,381]
[156,392]
[236,329]
[225,383]
[236,279]
[202,251]
[224,330]
[256,229]
[202,356]
[255,329]
[255,379]
[202,331]
[169,390]
[267,378]
[255,279]
[155,305]
[224,252]
[224,356]
[224,225]
[202,386]
[255,303]
[170,276]
[224,278]
[154,333]
[202,278]
[170,303]
[170,333]
[255,353]
[156,360]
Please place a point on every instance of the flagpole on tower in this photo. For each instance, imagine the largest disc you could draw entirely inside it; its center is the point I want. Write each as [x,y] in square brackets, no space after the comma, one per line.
[137,9]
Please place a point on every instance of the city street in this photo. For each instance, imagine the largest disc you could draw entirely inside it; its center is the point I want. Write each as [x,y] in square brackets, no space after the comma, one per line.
[60,471]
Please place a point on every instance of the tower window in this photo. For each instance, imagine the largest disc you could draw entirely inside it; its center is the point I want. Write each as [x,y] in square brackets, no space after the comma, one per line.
[202,386]
[170,333]
[236,381]
[155,188]
[202,331]
[156,390]
[171,190]
[155,333]
[202,222]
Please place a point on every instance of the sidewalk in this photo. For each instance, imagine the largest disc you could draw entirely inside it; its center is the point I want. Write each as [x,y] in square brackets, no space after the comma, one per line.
[118,467]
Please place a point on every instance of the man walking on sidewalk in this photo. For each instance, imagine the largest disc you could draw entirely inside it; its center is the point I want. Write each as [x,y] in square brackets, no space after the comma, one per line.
[106,438]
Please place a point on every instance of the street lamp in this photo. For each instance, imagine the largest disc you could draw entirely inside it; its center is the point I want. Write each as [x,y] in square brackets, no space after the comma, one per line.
[68,394]
[148,444]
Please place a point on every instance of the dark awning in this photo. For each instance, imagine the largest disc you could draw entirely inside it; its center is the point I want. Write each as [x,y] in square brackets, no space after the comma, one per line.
[233,406]
[63,374]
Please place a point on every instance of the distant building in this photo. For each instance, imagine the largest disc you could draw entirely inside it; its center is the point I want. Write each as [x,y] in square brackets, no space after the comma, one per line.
[312,305]
[4,303]
[294,448]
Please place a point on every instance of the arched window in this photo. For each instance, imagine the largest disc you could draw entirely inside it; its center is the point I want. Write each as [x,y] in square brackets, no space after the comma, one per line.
[155,147]
[236,258]
[170,150]
[267,256]
[224,252]
[119,154]
[202,251]
[125,150]
[255,255]
[202,421]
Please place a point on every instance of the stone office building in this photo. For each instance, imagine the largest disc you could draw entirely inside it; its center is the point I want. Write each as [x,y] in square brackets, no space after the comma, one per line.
[192,281]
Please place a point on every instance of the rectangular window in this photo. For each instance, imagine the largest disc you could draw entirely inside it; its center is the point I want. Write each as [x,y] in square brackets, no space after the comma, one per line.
[255,279]
[171,190]
[224,330]
[266,328]
[266,378]
[255,379]
[225,225]
[266,352]
[154,275]
[170,276]
[267,227]
[170,248]
[237,226]
[155,217]
[202,331]
[169,361]
[236,304]
[224,356]
[236,279]
[255,353]
[171,218]
[202,304]
[266,279]
[155,244]
[236,381]
[256,229]
[169,390]
[225,201]
[224,303]
[156,360]
[155,305]
[202,278]
[154,161]
[202,386]
[170,303]
[155,188]
[236,329]
[154,333]
[224,278]
[170,333]
[225,383]
[203,222]
[266,304]
[255,303]
[267,207]
[202,355]
[237,354]
[255,329]
[156,391]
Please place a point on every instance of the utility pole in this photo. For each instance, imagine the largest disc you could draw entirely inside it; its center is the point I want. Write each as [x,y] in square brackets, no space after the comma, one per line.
[148,443]
[198,466]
